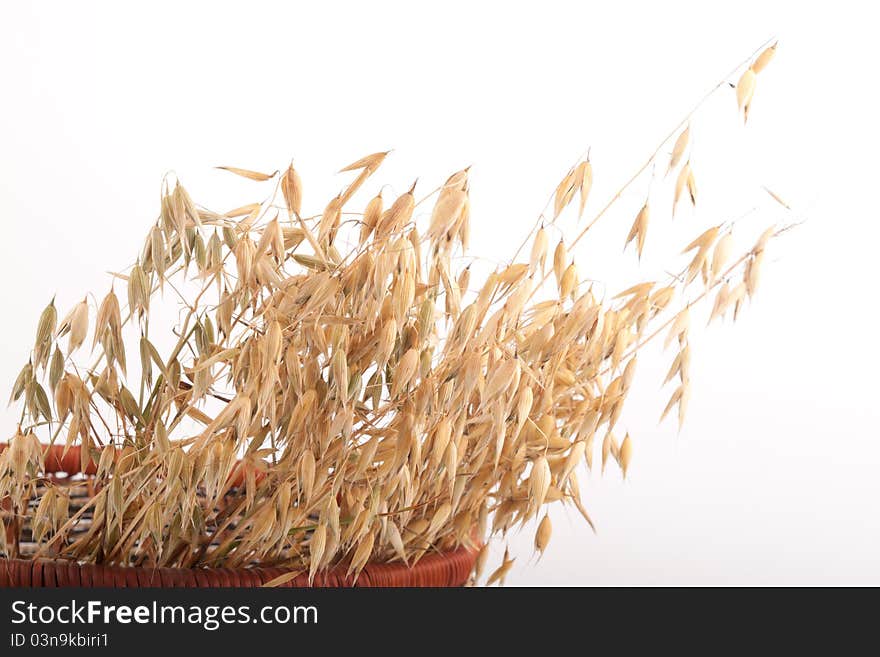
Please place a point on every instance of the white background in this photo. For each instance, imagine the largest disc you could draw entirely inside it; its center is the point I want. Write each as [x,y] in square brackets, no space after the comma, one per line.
[774,477]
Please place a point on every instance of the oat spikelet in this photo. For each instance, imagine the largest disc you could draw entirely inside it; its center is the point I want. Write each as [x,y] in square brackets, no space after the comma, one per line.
[372,162]
[252,175]
[480,564]
[45,330]
[584,177]
[745,90]
[543,534]
[721,254]
[678,149]
[405,370]
[572,460]
[685,182]
[538,257]
[764,58]
[361,555]
[76,323]
[777,198]
[292,189]
[565,191]
[539,484]
[439,518]
[639,230]
[501,572]
[679,327]
[316,550]
[371,217]
[560,261]
[625,454]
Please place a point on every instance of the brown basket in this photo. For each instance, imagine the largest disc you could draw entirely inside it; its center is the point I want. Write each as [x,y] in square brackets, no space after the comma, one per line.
[443,569]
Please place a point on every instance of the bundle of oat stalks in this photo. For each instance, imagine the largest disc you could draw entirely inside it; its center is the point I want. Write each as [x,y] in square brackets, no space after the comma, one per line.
[340,391]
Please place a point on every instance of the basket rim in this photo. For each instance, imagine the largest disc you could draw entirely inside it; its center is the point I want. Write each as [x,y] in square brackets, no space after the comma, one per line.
[448,568]
[440,569]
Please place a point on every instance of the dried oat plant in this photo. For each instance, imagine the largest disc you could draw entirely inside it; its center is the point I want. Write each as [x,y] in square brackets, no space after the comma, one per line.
[340,391]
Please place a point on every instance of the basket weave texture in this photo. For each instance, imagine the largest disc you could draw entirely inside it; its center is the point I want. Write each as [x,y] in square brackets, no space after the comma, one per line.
[443,569]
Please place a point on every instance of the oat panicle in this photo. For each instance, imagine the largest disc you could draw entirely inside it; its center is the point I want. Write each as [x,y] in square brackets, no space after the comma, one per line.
[338,391]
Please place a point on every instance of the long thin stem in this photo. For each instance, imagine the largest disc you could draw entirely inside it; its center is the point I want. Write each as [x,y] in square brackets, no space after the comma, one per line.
[635,176]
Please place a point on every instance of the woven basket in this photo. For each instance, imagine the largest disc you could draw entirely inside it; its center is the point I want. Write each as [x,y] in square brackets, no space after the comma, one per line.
[442,569]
